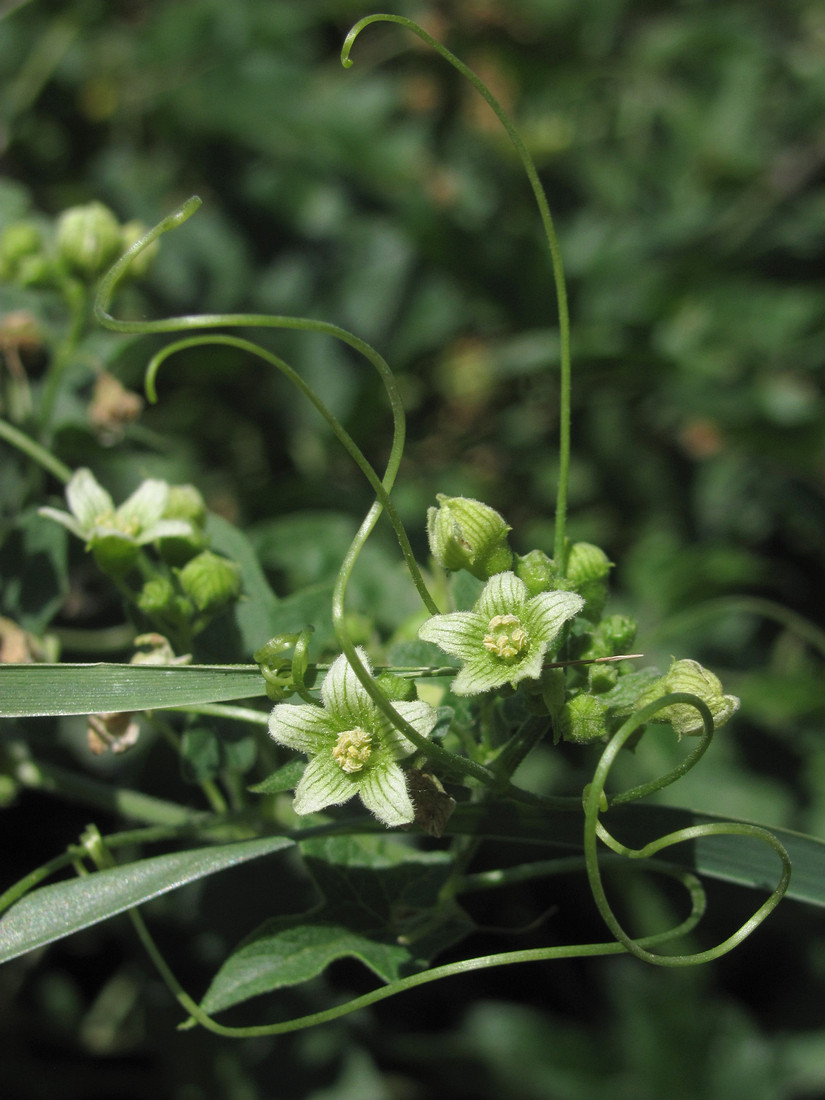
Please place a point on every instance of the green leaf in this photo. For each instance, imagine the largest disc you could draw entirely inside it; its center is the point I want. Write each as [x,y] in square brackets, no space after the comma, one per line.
[53,912]
[377,907]
[106,688]
[200,758]
[205,754]
[284,779]
[32,595]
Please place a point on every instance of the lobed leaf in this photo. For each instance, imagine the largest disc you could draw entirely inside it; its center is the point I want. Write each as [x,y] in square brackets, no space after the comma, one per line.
[378,905]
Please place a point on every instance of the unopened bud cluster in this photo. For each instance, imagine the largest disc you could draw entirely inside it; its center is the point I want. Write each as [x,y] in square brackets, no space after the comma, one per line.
[84,241]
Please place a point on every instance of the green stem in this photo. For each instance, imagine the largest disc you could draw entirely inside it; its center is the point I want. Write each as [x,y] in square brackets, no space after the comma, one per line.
[223,710]
[302,324]
[35,451]
[594,831]
[465,966]
[76,296]
[38,875]
[53,779]
[379,487]
[526,737]
[549,232]
[449,761]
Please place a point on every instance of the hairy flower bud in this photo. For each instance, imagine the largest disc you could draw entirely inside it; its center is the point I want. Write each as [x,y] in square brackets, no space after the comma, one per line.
[88,239]
[587,569]
[156,597]
[210,581]
[466,534]
[397,688]
[583,720]
[537,571]
[691,677]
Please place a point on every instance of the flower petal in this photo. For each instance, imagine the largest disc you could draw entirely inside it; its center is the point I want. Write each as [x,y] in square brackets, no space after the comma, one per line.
[322,784]
[87,499]
[384,792]
[460,633]
[482,673]
[146,504]
[546,614]
[504,594]
[65,519]
[164,529]
[421,717]
[345,697]
[530,667]
[302,727]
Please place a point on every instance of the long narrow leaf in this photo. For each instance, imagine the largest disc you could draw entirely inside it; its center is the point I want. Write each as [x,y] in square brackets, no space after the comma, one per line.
[55,911]
[105,688]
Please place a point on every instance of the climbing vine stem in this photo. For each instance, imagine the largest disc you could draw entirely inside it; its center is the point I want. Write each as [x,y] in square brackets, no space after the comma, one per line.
[549,232]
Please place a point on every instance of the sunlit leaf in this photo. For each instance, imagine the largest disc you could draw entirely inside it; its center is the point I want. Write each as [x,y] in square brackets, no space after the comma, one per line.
[58,910]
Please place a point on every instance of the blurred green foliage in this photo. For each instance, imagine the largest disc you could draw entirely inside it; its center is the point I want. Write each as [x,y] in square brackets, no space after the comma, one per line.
[683,151]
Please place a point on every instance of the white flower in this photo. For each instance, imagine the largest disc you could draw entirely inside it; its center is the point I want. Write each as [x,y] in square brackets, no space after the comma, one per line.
[114,534]
[505,637]
[353,747]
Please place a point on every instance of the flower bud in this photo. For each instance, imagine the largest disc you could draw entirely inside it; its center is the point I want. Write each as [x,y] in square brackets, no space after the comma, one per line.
[18,242]
[88,239]
[156,597]
[37,270]
[537,571]
[397,688]
[587,570]
[602,678]
[690,676]
[614,634]
[586,563]
[583,720]
[466,534]
[210,581]
[184,503]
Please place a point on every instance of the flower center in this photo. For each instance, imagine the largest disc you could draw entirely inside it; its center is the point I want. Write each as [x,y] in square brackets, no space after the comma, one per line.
[130,527]
[352,750]
[505,636]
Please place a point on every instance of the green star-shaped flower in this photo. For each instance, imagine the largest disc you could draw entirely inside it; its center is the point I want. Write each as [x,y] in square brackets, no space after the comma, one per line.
[114,534]
[505,637]
[354,748]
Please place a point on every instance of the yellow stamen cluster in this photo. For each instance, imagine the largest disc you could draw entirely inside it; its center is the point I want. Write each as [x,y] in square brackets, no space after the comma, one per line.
[129,527]
[352,750]
[505,636]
